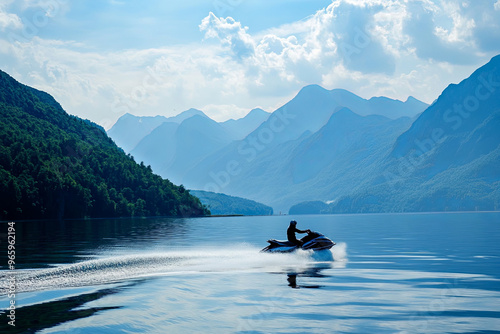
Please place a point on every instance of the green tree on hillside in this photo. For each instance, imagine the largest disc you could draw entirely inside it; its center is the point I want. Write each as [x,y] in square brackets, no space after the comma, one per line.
[53,165]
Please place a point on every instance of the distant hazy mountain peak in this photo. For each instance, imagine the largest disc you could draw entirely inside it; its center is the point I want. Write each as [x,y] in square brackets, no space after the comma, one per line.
[193,111]
[411,99]
[378,105]
[129,129]
[240,128]
[312,88]
[383,98]
[257,115]
[187,114]
[198,119]
[128,115]
[257,111]
[319,91]
[311,91]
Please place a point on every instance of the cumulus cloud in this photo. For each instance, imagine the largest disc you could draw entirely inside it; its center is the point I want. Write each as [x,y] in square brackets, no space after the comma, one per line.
[354,29]
[9,21]
[364,41]
[486,18]
[230,33]
[422,30]
[453,31]
[371,47]
[369,35]
[343,32]
[102,86]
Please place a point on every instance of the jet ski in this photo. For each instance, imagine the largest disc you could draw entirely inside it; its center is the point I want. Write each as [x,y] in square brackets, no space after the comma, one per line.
[312,241]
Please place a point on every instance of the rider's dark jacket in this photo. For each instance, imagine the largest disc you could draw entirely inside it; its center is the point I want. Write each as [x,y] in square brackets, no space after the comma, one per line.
[290,233]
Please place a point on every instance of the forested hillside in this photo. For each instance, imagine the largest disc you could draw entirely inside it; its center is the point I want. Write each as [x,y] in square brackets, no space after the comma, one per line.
[53,165]
[220,204]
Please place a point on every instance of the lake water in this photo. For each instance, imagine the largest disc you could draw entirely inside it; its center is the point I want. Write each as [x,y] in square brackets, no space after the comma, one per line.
[392,273]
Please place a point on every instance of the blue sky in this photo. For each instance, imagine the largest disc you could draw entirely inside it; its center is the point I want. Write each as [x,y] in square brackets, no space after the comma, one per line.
[102,58]
[152,24]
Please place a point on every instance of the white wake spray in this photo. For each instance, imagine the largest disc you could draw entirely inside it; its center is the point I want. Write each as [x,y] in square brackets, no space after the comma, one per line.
[117,268]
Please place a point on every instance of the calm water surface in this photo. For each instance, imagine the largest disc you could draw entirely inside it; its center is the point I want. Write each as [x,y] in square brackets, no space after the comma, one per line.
[410,273]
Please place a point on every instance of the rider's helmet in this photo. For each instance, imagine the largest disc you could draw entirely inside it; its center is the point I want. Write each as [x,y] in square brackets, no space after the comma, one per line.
[293,222]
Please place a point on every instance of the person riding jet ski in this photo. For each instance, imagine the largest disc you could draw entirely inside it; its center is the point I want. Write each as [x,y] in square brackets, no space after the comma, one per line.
[290,233]
[312,241]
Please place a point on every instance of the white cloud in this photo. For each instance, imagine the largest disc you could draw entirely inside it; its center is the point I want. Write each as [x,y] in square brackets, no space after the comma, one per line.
[431,42]
[486,33]
[355,29]
[104,86]
[371,47]
[223,112]
[9,21]
[283,60]
[230,33]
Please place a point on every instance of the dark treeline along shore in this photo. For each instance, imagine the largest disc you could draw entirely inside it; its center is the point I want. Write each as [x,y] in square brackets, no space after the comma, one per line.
[54,165]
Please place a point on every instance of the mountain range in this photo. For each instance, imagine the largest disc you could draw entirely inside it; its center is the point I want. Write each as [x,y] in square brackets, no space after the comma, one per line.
[283,151]
[173,145]
[350,153]
[448,160]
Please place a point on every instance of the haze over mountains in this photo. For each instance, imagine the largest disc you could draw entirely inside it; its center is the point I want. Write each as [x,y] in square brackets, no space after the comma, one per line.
[353,154]
[174,145]
[185,147]
[283,168]
[449,159]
